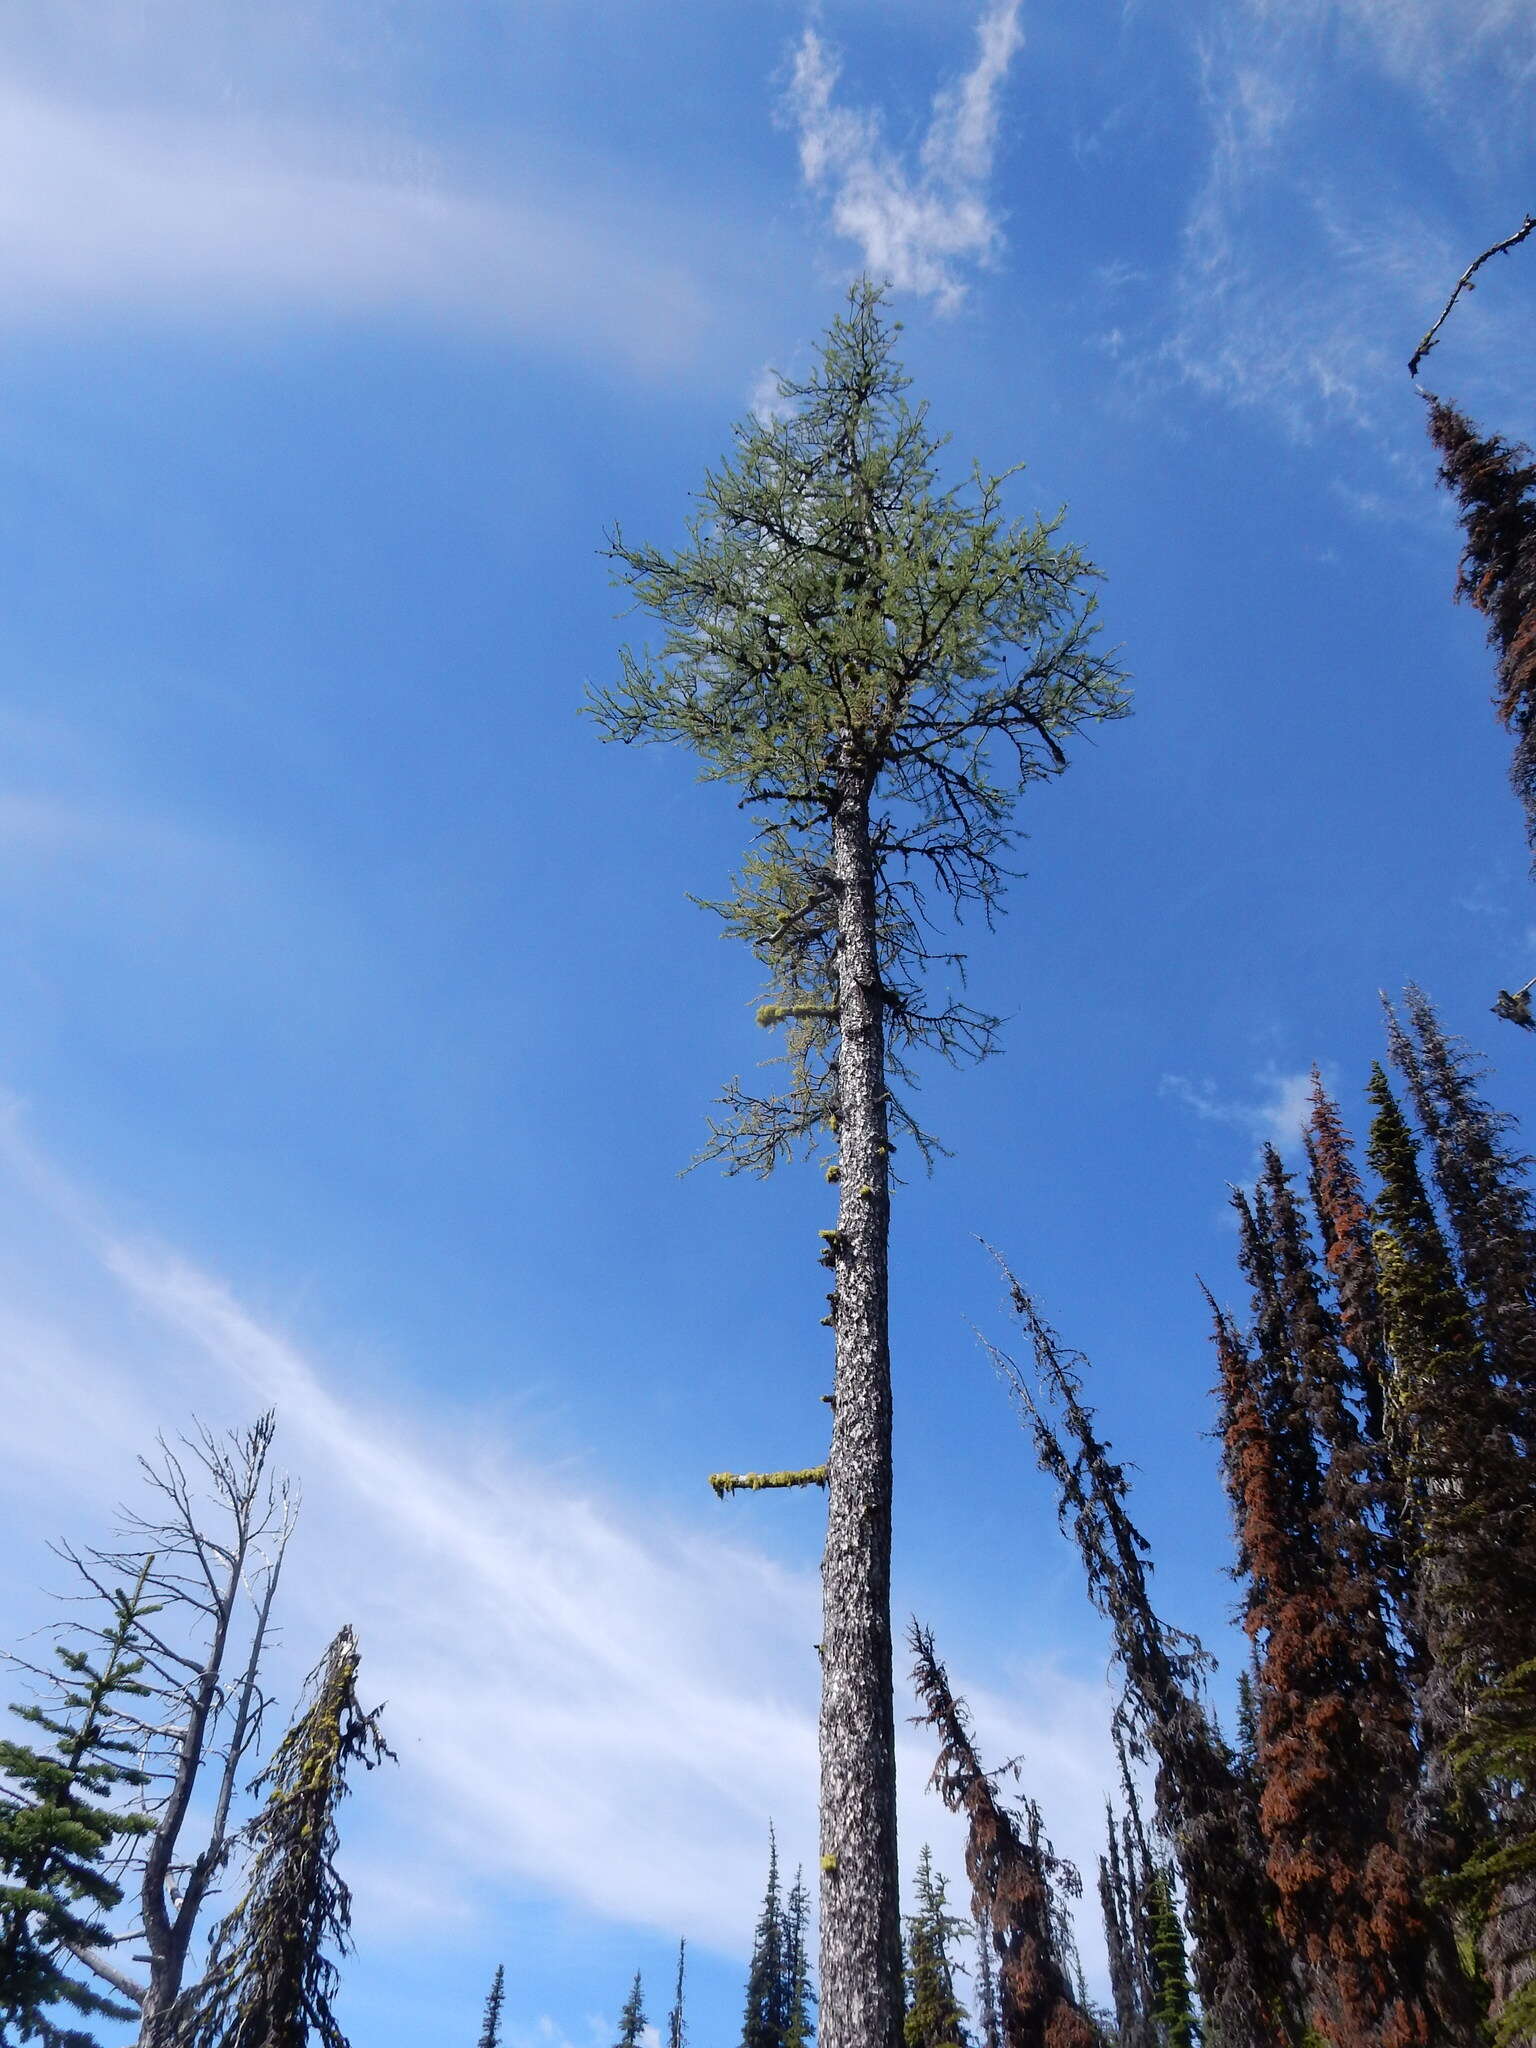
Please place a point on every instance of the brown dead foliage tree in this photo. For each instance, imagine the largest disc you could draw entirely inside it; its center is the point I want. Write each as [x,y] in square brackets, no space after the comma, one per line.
[1011,1869]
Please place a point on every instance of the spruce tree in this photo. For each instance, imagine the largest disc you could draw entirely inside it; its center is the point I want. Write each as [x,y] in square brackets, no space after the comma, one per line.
[799,1996]
[56,1832]
[632,2019]
[1336,1754]
[490,2027]
[1494,482]
[1481,1505]
[1440,1410]
[877,666]
[1174,2014]
[765,2022]
[1204,1804]
[1487,1200]
[270,1982]
[935,2017]
[1013,1873]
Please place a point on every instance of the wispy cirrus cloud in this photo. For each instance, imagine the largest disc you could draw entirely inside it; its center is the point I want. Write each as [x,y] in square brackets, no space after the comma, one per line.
[1310,262]
[107,212]
[1275,1115]
[917,227]
[562,1667]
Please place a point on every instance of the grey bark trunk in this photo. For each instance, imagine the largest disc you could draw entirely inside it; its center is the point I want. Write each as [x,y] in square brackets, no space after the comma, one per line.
[861,2003]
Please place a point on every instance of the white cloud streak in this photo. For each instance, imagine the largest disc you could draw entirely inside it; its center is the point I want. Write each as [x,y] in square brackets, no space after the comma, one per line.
[915,229]
[1310,265]
[1277,1117]
[154,216]
[561,1669]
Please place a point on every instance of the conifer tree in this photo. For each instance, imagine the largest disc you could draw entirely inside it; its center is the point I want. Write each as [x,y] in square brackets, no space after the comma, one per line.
[935,2016]
[1336,1757]
[677,2032]
[56,1832]
[1439,1412]
[1012,1874]
[1494,483]
[1482,1183]
[1174,2014]
[490,2027]
[877,666]
[632,2020]
[800,1998]
[270,1982]
[1204,1804]
[1344,1221]
[1481,1506]
[766,2020]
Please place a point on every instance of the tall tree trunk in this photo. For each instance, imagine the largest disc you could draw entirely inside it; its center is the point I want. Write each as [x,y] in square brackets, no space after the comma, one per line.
[860,1905]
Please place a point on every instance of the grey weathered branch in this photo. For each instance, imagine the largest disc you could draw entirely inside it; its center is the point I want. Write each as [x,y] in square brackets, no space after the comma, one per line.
[100,1965]
[1464,284]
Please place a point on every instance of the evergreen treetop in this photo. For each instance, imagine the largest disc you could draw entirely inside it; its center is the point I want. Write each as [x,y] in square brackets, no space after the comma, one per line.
[490,2028]
[935,2017]
[57,1834]
[765,2022]
[632,2020]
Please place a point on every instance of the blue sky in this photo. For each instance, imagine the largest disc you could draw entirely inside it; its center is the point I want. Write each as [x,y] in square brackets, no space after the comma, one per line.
[354,1021]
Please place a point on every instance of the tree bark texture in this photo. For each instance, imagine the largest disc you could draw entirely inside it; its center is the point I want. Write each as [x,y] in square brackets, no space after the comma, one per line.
[861,2001]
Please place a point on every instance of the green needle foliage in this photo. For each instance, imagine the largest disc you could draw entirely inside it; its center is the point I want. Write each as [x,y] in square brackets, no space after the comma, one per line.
[1175,2011]
[632,2020]
[841,628]
[490,2026]
[270,1983]
[56,1835]
[935,2016]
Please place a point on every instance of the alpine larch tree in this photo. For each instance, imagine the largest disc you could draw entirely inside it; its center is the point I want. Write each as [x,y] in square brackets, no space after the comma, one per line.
[877,665]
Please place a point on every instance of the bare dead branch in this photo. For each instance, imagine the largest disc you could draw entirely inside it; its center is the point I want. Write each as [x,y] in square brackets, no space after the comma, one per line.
[1464,284]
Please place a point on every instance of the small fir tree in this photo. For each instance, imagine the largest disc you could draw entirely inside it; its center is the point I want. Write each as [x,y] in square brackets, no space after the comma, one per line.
[490,2026]
[799,1995]
[878,667]
[935,2016]
[1174,2014]
[632,2019]
[56,1832]
[270,1982]
[765,2022]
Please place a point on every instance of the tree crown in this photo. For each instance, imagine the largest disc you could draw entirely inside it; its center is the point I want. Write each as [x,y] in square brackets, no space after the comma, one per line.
[842,631]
